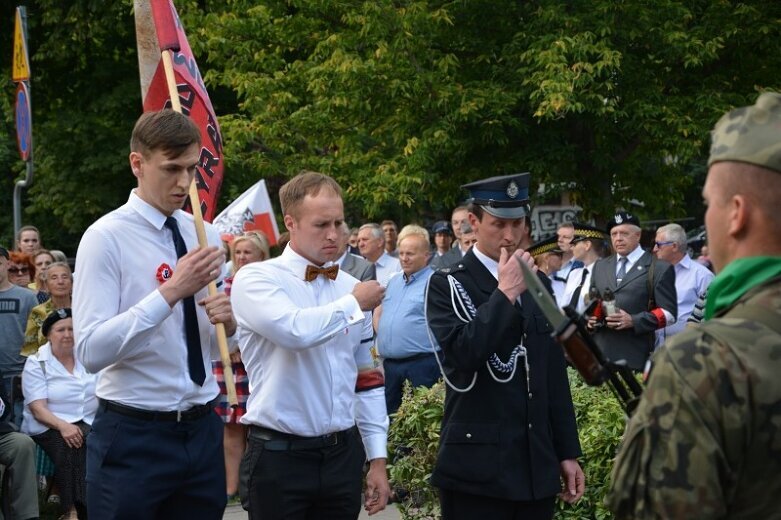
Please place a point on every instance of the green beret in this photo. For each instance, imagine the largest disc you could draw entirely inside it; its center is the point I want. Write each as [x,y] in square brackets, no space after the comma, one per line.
[750,134]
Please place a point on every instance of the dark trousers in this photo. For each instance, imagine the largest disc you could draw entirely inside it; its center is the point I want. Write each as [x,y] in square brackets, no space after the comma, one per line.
[153,469]
[419,370]
[302,484]
[463,506]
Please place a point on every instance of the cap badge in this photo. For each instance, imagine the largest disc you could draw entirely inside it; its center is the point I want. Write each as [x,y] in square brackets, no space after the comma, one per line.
[619,219]
[512,190]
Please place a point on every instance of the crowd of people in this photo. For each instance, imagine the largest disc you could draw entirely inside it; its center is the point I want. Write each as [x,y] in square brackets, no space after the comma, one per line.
[116,377]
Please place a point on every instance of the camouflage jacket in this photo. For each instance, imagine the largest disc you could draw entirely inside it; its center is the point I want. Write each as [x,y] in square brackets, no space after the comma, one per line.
[705,440]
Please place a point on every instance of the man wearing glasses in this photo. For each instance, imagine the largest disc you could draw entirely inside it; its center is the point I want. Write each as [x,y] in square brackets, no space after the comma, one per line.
[691,278]
[644,289]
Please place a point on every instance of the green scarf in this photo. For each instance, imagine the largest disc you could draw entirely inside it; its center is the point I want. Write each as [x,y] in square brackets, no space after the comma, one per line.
[737,278]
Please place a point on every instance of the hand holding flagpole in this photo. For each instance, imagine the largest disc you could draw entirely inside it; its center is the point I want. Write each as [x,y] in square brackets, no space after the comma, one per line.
[169,43]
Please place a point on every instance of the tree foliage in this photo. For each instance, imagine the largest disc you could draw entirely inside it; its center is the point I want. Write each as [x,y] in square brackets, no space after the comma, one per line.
[401,101]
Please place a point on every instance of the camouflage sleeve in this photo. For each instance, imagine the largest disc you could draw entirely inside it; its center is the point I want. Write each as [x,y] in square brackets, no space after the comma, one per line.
[670,462]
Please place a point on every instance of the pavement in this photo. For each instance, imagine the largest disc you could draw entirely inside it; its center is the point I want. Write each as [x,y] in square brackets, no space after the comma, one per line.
[390,513]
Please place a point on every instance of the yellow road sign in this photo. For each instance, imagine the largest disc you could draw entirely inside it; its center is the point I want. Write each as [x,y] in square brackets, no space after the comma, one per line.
[21,67]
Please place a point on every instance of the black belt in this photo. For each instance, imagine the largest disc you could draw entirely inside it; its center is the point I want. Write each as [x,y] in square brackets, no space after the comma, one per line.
[279,441]
[191,414]
[413,357]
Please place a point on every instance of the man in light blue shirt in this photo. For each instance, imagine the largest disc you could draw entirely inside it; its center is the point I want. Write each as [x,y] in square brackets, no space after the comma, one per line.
[691,278]
[402,333]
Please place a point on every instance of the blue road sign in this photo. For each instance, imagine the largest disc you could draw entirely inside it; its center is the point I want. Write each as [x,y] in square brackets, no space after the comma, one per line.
[24,122]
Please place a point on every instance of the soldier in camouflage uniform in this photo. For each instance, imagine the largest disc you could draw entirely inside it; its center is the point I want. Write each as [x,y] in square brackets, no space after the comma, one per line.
[705,441]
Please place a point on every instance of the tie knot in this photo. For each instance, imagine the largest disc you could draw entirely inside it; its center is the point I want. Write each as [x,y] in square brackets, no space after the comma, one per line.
[170,223]
[312,272]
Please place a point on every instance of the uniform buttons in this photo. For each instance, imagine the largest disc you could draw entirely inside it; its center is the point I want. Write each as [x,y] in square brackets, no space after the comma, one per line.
[530,426]
[530,395]
[468,435]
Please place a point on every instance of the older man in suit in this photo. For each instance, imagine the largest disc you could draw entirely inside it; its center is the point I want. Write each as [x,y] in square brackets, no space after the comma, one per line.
[645,297]
[355,265]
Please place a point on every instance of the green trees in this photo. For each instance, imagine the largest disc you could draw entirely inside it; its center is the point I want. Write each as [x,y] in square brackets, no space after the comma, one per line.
[403,101]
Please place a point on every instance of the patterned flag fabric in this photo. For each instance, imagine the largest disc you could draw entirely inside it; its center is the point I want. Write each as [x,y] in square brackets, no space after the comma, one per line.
[192,95]
[251,210]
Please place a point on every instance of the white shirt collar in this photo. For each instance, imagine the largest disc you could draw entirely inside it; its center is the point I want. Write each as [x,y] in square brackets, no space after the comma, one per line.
[382,261]
[147,211]
[632,257]
[297,263]
[489,263]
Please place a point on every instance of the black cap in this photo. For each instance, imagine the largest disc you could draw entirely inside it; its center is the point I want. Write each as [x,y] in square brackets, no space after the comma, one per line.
[54,317]
[505,196]
[441,226]
[585,232]
[622,217]
[549,245]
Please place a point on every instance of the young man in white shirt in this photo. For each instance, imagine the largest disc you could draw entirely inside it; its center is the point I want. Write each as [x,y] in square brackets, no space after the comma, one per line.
[316,400]
[142,319]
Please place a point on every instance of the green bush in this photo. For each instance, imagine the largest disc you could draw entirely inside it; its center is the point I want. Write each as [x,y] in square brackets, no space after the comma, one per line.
[414,439]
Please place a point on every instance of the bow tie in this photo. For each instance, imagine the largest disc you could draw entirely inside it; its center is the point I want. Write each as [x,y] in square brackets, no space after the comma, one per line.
[312,272]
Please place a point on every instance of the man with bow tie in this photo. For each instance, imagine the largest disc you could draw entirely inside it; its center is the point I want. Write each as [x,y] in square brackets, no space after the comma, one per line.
[316,410]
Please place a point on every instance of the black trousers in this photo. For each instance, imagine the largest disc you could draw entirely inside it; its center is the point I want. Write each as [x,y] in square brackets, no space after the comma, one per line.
[280,480]
[463,506]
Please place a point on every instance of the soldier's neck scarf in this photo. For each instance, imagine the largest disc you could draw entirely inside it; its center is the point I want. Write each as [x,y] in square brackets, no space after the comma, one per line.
[737,278]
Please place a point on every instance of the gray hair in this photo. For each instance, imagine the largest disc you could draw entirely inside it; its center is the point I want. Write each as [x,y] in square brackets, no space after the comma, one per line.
[674,233]
[466,227]
[45,273]
[376,230]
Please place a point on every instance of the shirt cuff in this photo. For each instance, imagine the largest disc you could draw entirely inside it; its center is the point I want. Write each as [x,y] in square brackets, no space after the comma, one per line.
[154,307]
[669,317]
[352,311]
[375,446]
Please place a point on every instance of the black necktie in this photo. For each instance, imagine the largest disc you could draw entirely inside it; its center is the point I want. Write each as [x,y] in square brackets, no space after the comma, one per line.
[194,354]
[574,300]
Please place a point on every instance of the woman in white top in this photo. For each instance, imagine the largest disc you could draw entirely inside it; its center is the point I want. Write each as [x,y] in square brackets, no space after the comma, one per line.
[60,405]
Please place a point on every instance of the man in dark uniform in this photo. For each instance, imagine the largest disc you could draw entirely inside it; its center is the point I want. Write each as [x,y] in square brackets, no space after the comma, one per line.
[508,433]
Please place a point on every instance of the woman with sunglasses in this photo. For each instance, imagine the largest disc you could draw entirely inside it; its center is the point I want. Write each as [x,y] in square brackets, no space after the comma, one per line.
[21,269]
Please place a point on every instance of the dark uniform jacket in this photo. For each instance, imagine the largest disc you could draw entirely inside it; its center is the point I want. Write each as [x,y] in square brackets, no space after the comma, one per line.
[634,345]
[499,439]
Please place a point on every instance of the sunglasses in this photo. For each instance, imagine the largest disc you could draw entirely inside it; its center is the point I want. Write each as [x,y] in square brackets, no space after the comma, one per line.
[18,270]
[660,244]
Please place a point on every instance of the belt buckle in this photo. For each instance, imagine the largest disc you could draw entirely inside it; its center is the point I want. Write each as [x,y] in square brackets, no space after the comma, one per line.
[332,439]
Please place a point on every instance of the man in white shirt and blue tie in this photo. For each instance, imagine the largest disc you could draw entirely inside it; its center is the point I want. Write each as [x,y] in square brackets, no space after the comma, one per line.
[142,320]
[316,410]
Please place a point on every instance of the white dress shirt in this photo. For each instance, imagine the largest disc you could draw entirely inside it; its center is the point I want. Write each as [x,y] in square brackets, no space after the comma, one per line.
[575,276]
[124,328]
[302,344]
[489,263]
[386,266]
[71,397]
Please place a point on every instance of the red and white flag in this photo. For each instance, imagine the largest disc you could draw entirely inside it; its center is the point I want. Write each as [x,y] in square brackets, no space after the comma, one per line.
[157,21]
[251,210]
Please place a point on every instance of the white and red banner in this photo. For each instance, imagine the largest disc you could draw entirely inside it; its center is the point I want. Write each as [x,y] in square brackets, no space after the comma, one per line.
[154,24]
[250,211]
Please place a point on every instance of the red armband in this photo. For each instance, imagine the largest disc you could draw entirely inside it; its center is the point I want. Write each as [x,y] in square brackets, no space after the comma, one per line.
[661,319]
[369,379]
